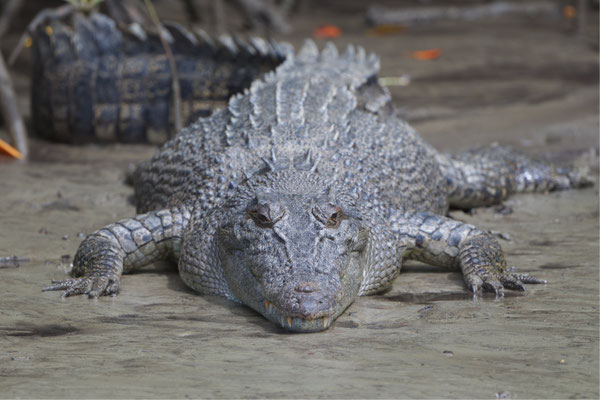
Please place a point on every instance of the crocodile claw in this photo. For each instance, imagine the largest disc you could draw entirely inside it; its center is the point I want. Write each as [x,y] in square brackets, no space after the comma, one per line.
[498,282]
[93,286]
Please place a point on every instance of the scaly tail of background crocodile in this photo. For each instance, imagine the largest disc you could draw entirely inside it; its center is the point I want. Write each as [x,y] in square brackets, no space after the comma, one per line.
[96,81]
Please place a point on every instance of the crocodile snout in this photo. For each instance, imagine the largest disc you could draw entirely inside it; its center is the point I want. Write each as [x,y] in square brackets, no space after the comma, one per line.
[307,287]
[312,301]
[311,307]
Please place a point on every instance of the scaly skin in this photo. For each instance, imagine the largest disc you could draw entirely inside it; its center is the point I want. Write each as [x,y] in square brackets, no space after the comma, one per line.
[96,81]
[123,247]
[306,192]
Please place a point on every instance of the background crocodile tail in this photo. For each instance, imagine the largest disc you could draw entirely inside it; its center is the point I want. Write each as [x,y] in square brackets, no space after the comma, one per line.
[94,80]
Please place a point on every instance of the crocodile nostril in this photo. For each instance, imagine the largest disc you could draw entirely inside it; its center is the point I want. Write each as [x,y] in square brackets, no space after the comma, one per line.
[312,305]
[307,287]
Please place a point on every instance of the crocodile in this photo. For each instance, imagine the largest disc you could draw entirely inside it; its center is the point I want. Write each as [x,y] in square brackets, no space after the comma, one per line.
[94,80]
[306,192]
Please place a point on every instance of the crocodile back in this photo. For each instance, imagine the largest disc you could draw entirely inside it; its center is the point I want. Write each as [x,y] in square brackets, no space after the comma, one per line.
[319,111]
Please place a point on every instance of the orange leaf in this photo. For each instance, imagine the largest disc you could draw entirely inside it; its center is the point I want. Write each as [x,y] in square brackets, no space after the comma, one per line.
[569,12]
[429,54]
[327,31]
[11,151]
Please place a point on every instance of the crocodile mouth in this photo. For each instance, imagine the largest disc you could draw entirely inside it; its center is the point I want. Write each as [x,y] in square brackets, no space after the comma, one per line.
[295,323]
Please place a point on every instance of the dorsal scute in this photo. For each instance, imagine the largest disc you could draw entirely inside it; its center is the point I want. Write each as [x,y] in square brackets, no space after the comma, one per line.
[308,95]
[351,69]
[292,181]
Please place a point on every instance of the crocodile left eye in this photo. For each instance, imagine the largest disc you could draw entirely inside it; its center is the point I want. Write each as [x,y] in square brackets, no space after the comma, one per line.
[262,216]
[335,217]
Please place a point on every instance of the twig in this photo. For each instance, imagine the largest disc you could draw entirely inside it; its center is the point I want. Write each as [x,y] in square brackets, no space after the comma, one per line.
[126,12]
[261,13]
[411,16]
[41,17]
[8,13]
[172,66]
[10,111]
[12,262]
[192,12]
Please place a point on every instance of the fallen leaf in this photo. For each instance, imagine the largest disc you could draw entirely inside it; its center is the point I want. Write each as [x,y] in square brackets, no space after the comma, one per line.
[429,54]
[569,12]
[327,31]
[9,150]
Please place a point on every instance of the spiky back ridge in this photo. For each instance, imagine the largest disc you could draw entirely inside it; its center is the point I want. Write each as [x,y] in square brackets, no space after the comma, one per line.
[287,119]
[307,98]
[310,114]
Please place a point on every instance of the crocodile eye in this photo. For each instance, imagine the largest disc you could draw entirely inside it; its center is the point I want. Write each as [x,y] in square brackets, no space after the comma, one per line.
[261,214]
[329,215]
[335,217]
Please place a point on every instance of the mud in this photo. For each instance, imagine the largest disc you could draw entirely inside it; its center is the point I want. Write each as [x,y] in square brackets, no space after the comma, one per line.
[426,337]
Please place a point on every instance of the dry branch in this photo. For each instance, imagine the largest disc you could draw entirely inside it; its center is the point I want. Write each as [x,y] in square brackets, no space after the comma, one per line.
[410,16]
[10,111]
[8,13]
[172,67]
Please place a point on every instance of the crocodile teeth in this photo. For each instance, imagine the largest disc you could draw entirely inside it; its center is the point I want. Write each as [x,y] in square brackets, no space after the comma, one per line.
[269,306]
[288,321]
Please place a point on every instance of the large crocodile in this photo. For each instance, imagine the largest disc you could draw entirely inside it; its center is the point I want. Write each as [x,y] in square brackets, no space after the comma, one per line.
[96,80]
[306,192]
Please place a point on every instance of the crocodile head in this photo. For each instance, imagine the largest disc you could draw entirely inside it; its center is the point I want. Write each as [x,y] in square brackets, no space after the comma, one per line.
[294,249]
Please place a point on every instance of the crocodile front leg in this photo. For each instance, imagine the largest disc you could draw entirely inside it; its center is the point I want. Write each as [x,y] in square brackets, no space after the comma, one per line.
[123,247]
[443,241]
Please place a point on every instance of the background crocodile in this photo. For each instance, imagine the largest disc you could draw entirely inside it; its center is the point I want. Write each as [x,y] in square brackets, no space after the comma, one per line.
[94,80]
[306,192]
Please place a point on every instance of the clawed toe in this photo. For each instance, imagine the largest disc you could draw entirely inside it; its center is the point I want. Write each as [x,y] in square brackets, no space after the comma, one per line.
[81,286]
[113,288]
[509,281]
[525,278]
[497,283]
[59,285]
[495,286]
[93,287]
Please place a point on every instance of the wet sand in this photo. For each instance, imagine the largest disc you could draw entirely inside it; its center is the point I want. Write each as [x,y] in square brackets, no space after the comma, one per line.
[519,82]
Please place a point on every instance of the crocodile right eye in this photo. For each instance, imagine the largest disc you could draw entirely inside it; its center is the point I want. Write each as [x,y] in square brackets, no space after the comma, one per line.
[330,215]
[262,216]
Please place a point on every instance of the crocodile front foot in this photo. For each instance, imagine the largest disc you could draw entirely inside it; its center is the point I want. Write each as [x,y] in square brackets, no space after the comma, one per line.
[97,269]
[93,285]
[484,268]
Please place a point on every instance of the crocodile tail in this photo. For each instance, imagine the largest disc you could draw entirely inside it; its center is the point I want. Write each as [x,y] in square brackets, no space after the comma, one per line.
[95,80]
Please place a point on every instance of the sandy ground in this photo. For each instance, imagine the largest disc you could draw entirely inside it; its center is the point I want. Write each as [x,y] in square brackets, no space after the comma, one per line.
[522,82]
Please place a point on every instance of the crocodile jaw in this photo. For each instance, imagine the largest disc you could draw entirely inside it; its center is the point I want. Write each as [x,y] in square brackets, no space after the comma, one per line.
[296,323]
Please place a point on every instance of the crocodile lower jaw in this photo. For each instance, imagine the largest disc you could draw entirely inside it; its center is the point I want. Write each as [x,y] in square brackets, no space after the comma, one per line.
[294,323]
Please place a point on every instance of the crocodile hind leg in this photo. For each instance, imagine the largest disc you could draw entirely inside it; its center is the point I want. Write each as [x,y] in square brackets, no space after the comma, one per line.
[488,175]
[123,247]
[443,241]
